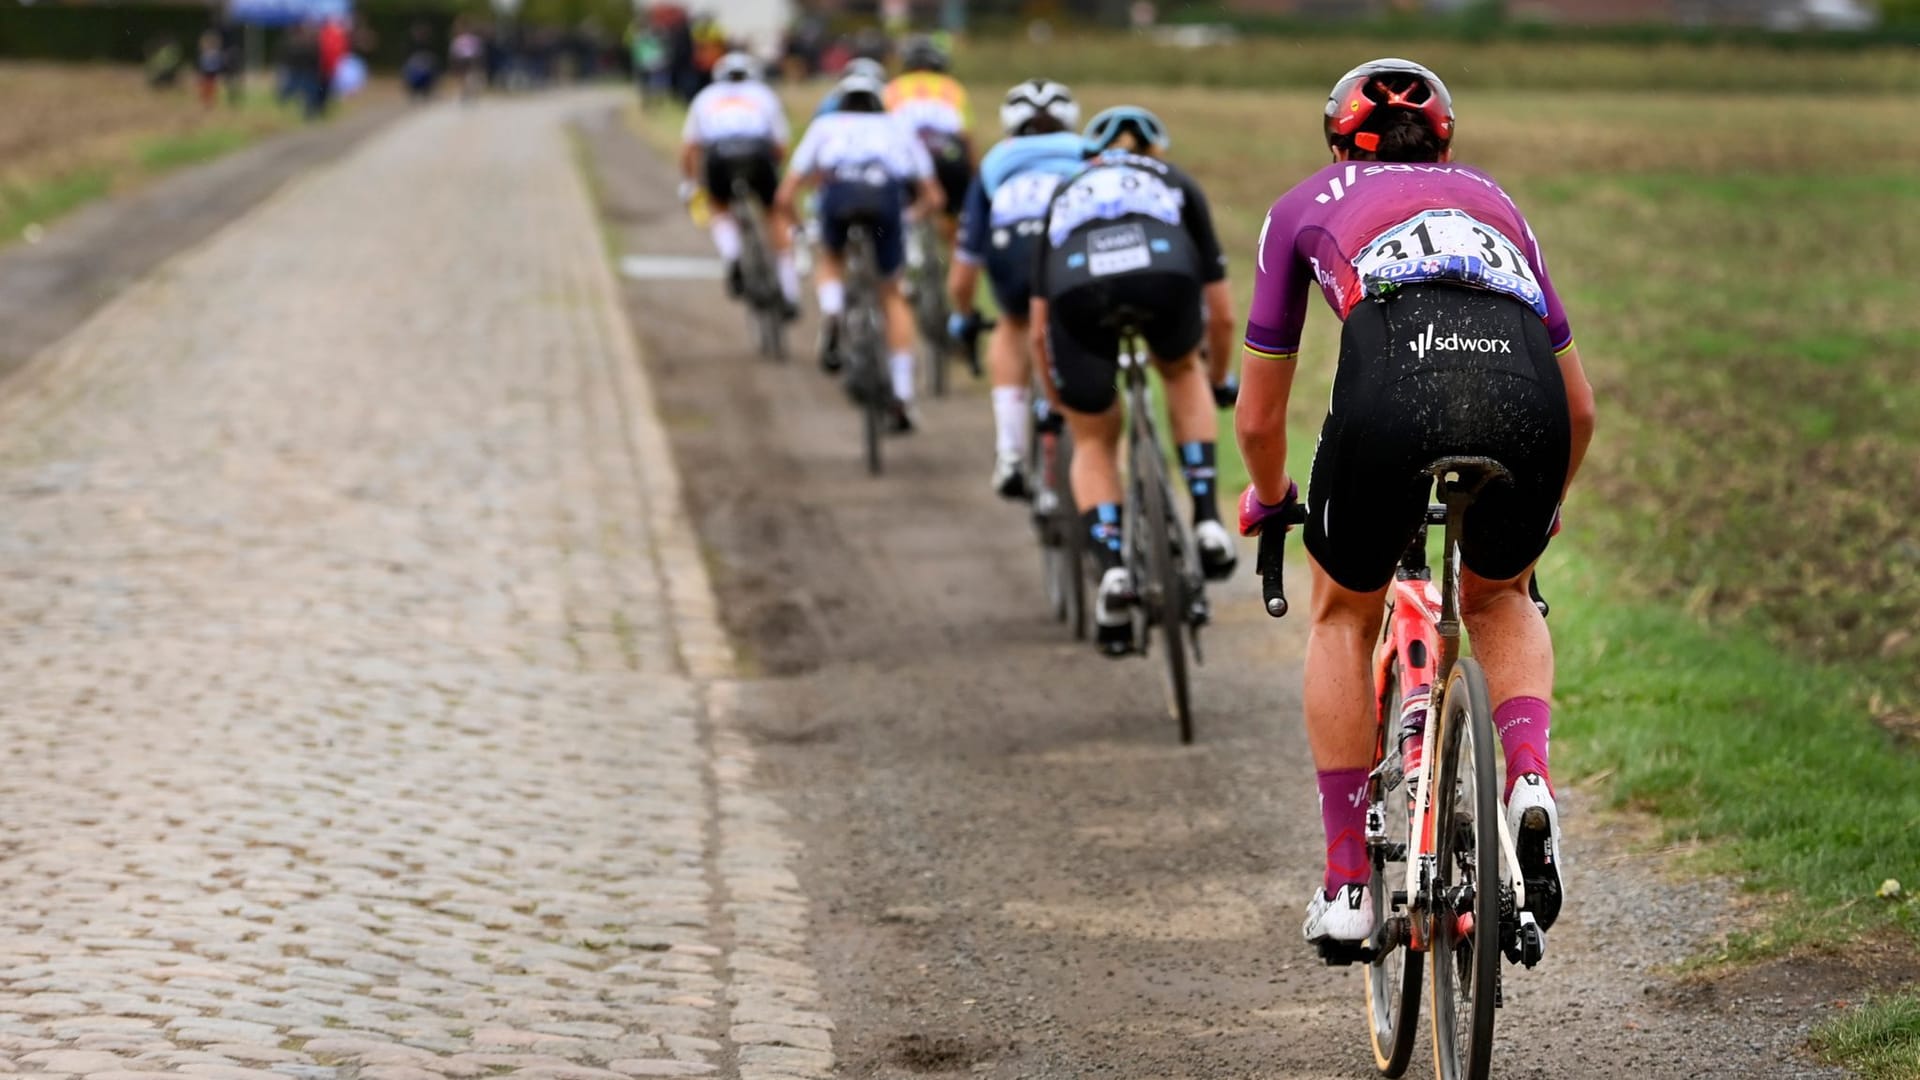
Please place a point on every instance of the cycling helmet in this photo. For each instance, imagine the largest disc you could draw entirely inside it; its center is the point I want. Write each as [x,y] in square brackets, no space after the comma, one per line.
[853,88]
[1038,97]
[1394,84]
[865,65]
[921,54]
[1103,130]
[736,67]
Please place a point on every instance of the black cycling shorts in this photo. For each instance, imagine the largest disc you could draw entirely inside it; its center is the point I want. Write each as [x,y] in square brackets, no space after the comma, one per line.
[1145,268]
[1010,272]
[1438,371]
[880,206]
[749,159]
[951,169]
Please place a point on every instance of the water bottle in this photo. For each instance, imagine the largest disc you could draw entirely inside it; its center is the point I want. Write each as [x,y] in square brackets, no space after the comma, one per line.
[1413,727]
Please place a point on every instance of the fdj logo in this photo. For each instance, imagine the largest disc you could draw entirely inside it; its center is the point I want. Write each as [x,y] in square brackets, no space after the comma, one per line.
[1427,342]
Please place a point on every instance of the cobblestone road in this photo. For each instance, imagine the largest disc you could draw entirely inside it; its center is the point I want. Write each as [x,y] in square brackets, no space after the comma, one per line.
[365,711]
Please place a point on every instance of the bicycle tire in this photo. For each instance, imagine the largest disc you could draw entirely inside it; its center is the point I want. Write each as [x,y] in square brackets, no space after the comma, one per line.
[1465,963]
[1168,596]
[1394,974]
[869,379]
[760,276]
[1046,528]
[1074,537]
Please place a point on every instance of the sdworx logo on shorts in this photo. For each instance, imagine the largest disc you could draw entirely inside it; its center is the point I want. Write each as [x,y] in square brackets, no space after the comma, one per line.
[1428,342]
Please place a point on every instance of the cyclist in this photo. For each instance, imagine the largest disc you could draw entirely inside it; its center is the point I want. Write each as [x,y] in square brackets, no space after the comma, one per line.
[1131,230]
[1005,212]
[736,129]
[864,162]
[859,65]
[1454,343]
[934,105]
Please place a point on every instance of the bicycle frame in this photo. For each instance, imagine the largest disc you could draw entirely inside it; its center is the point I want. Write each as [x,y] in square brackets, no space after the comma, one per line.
[1422,636]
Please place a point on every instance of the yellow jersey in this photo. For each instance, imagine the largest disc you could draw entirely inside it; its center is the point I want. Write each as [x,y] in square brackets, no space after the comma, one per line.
[930,101]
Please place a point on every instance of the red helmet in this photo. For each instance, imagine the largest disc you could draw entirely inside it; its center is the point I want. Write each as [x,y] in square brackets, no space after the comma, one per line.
[1387,83]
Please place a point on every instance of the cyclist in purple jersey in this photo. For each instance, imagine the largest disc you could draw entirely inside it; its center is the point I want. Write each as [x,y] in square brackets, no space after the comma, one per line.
[1454,343]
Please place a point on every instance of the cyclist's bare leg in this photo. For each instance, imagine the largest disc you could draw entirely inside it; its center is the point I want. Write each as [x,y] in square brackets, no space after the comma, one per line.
[1340,712]
[1010,374]
[1196,429]
[1511,640]
[901,336]
[780,237]
[1096,457]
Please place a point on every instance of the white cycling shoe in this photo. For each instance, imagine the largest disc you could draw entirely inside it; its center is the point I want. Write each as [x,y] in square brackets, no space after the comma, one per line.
[1113,622]
[1535,822]
[1010,477]
[1217,554]
[1345,918]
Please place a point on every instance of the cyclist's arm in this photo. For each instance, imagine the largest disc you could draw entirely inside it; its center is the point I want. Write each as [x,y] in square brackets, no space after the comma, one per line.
[799,171]
[1218,299]
[1580,409]
[1274,320]
[964,278]
[689,160]
[1260,423]
[1037,323]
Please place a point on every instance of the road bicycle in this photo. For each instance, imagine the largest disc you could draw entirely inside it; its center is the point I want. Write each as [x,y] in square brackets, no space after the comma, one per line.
[1056,520]
[1161,558]
[759,276]
[1445,885]
[926,280]
[864,337]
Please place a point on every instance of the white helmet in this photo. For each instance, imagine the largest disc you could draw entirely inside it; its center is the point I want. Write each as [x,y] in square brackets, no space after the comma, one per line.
[857,85]
[1037,97]
[736,67]
[865,65]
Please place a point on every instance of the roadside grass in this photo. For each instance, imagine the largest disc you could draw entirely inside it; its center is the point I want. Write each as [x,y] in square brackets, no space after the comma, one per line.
[74,133]
[1315,61]
[1880,1039]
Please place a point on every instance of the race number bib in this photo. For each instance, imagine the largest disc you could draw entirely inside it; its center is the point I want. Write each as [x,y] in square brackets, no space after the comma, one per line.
[1449,245]
[1116,251]
[1023,198]
[1105,194]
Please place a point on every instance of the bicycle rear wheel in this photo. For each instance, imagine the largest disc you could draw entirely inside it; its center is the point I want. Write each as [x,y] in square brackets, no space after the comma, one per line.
[865,335]
[1073,538]
[1465,898]
[1394,974]
[1165,594]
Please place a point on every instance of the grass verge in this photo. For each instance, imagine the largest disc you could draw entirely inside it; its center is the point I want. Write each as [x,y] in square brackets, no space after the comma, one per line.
[1880,1039]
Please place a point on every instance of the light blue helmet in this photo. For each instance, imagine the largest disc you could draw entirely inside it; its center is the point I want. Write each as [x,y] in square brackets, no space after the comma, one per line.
[1104,129]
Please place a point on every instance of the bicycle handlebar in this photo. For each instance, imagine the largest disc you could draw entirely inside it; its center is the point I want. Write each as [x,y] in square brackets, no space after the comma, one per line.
[1272,558]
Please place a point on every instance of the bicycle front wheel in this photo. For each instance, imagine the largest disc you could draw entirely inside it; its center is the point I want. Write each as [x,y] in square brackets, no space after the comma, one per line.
[1394,974]
[1465,896]
[1166,593]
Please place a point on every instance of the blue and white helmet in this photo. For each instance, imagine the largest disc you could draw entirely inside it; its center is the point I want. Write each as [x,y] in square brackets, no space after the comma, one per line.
[736,67]
[1038,97]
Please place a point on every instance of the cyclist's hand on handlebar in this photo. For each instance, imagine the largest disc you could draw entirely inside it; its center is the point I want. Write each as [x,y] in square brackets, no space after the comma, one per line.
[1256,515]
[1554,529]
[965,327]
[688,189]
[1226,392]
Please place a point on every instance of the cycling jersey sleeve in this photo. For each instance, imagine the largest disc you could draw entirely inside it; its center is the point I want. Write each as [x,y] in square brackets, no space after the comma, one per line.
[1559,331]
[802,162]
[922,161]
[1281,281]
[777,117]
[1197,216]
[690,131]
[975,218]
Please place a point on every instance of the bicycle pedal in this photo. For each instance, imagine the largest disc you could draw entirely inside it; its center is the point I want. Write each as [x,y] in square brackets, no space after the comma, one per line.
[1344,953]
[1528,945]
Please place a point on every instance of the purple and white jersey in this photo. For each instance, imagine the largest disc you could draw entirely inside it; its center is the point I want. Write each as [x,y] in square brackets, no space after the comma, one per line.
[1360,225]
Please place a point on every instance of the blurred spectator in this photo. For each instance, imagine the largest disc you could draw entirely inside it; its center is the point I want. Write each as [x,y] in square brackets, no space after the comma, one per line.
[709,45]
[422,67]
[210,64]
[649,53]
[300,71]
[332,42]
[466,58]
[164,61]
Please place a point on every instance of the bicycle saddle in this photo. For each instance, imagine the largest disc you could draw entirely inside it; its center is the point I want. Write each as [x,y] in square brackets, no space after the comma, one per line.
[1467,476]
[1126,317]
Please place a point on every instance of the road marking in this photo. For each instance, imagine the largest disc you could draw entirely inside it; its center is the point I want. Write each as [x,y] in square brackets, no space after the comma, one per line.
[671,268]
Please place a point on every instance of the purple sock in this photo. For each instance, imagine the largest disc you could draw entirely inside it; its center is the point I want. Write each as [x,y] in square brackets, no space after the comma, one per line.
[1343,810]
[1522,723]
